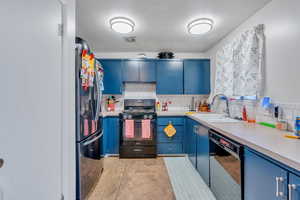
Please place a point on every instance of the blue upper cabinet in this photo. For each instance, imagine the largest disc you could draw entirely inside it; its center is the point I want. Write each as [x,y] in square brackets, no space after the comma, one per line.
[197,76]
[147,71]
[169,77]
[131,70]
[112,76]
[262,178]
[139,71]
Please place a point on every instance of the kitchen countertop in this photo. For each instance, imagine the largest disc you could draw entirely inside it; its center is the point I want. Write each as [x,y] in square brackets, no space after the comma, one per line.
[111,114]
[171,113]
[268,141]
[160,113]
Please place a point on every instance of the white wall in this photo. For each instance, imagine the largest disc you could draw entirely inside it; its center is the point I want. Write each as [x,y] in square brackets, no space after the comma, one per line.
[148,54]
[282,30]
[68,102]
[37,130]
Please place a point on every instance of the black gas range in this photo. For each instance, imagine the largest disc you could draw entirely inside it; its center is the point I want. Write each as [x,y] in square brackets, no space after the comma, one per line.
[138,129]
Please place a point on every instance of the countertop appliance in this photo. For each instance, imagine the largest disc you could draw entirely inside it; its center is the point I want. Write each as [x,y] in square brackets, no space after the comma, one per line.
[226,167]
[138,112]
[88,123]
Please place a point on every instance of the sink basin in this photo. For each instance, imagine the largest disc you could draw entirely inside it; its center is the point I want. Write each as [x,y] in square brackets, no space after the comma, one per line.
[213,117]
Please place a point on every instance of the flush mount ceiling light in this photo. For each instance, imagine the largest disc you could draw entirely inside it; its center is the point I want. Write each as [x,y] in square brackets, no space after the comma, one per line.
[200,26]
[122,25]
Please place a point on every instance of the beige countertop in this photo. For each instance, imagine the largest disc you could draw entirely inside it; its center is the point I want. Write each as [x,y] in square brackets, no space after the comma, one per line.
[110,114]
[268,141]
[171,113]
[160,113]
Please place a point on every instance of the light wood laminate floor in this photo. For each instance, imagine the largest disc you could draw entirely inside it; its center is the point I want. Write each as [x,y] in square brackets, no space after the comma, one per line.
[133,179]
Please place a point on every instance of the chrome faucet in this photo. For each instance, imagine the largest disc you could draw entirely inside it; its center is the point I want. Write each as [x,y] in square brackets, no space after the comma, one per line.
[227,102]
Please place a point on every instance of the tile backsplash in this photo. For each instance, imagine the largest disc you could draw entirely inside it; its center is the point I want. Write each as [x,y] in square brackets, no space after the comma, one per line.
[180,102]
[148,91]
[287,111]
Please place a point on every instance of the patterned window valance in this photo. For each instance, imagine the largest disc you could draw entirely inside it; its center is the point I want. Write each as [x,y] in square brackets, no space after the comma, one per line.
[239,65]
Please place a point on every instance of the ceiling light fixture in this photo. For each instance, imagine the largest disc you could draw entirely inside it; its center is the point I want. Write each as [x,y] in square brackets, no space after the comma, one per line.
[122,25]
[200,26]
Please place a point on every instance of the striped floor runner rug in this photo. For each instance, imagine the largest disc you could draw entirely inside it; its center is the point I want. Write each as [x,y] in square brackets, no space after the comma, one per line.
[186,182]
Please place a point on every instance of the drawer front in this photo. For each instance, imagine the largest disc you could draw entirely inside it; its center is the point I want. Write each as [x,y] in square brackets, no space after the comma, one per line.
[137,151]
[170,148]
[162,137]
[174,120]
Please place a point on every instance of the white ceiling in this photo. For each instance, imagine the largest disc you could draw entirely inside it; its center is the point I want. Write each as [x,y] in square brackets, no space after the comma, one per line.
[160,24]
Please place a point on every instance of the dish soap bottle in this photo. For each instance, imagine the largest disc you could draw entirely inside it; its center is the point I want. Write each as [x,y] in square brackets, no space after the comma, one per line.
[297,126]
[157,106]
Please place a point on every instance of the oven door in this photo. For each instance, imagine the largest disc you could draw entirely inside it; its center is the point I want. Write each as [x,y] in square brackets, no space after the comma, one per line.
[226,180]
[138,138]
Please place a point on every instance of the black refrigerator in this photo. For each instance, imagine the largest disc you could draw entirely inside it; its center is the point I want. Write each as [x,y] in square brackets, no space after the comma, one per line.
[89,86]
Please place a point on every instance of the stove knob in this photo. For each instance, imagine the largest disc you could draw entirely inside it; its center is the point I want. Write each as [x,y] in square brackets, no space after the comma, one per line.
[150,117]
[145,116]
[129,117]
[124,116]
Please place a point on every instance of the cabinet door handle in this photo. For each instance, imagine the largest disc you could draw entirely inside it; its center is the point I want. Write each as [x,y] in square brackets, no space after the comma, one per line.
[278,181]
[195,129]
[1,162]
[291,187]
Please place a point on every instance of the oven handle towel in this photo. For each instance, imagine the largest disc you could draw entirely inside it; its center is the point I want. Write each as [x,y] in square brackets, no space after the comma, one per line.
[129,128]
[146,129]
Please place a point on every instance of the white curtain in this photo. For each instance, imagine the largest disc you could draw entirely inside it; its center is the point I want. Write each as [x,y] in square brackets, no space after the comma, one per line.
[239,65]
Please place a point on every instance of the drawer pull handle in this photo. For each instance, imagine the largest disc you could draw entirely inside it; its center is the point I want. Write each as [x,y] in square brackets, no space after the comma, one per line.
[278,181]
[291,187]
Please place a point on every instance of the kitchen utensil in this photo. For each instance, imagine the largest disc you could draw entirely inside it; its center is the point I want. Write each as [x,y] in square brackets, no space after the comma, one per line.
[267,124]
[292,136]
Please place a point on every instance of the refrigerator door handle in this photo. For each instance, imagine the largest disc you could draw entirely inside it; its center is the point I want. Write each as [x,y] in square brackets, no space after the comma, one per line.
[93,140]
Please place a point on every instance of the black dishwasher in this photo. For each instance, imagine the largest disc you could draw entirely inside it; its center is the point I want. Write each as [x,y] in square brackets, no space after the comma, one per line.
[226,167]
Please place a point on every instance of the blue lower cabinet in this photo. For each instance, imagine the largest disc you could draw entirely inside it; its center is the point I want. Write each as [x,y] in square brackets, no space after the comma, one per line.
[162,137]
[294,187]
[203,153]
[263,179]
[164,121]
[169,148]
[111,135]
[191,141]
[174,144]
